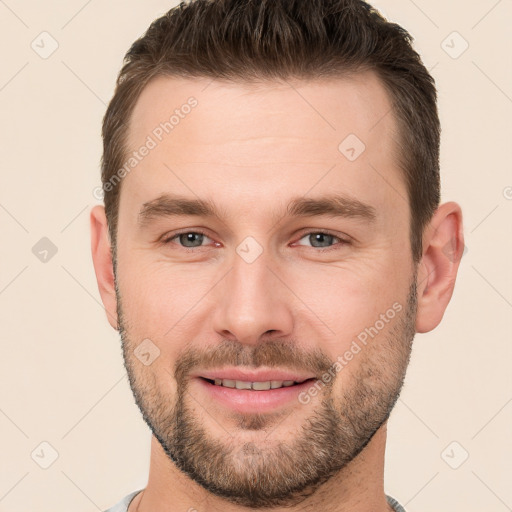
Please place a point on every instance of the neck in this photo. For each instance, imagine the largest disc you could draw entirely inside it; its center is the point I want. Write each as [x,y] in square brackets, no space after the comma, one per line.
[359,487]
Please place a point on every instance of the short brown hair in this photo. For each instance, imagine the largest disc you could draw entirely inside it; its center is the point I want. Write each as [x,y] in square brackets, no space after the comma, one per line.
[244,40]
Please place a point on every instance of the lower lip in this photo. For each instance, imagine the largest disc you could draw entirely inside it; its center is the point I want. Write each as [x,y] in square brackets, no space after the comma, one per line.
[251,401]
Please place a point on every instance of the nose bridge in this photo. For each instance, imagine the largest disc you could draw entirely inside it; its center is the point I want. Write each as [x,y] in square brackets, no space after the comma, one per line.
[251,278]
[252,300]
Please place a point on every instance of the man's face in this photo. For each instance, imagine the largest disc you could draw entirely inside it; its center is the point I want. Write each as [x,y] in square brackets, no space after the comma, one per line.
[271,292]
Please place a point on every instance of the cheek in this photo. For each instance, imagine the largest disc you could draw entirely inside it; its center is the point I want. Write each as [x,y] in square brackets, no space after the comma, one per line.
[146,286]
[161,302]
[341,302]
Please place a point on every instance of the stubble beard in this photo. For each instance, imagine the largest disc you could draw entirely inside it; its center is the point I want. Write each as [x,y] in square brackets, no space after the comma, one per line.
[270,472]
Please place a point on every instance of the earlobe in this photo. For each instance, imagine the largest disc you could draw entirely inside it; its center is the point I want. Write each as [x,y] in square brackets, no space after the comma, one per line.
[102,260]
[443,245]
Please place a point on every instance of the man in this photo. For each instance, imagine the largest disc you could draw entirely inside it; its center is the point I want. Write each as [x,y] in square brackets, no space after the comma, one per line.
[271,242]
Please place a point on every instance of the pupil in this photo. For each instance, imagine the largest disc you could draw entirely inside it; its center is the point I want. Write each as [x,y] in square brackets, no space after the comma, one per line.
[321,238]
[317,237]
[189,237]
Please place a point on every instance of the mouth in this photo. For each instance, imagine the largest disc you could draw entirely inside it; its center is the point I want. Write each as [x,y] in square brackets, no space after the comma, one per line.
[247,392]
[255,385]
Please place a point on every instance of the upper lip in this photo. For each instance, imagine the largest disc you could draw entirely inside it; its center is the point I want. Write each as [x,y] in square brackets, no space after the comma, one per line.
[254,376]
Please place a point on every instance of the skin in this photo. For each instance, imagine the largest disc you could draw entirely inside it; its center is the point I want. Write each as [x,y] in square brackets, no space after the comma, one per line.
[250,149]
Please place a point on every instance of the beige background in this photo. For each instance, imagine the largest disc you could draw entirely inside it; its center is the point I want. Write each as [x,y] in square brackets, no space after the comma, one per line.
[61,376]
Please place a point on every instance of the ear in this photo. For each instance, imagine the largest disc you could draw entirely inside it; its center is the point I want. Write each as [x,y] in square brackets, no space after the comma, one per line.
[102,260]
[443,245]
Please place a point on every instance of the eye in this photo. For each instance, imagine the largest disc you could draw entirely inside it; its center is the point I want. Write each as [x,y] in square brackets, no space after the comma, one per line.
[323,239]
[188,239]
[317,239]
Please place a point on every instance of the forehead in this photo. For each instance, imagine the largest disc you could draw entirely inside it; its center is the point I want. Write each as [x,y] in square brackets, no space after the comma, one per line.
[356,102]
[251,138]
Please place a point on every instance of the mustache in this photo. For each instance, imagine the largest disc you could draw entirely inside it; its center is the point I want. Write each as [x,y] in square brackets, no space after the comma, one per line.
[272,354]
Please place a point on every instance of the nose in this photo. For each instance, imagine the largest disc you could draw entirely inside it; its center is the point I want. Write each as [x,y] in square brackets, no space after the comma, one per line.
[253,302]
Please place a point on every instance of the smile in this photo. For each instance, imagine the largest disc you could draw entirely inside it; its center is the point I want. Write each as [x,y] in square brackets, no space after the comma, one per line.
[256,386]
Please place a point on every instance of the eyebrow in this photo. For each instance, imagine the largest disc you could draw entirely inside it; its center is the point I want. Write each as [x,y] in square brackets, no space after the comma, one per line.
[333,205]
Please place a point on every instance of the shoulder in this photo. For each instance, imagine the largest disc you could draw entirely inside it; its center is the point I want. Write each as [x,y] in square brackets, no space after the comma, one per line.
[396,506]
[122,506]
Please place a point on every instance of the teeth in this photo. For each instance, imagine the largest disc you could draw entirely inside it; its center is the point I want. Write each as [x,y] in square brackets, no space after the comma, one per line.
[260,386]
[257,386]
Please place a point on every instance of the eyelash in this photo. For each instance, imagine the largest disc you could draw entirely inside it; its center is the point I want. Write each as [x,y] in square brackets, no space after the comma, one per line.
[341,242]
